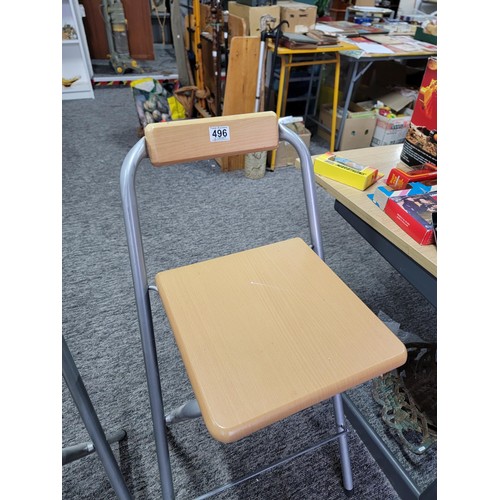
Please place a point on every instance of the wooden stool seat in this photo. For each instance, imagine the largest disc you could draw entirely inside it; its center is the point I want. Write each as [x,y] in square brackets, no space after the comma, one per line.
[270,331]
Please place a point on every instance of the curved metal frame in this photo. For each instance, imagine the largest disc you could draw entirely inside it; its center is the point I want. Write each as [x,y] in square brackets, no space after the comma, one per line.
[141,289]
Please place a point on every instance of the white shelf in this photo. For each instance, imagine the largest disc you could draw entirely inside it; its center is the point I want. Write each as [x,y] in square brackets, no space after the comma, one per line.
[75,55]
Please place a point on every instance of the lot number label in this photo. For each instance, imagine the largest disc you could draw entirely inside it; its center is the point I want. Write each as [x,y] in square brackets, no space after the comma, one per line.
[219,134]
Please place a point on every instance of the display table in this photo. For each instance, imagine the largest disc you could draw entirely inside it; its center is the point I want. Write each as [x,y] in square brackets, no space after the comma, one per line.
[357,65]
[417,263]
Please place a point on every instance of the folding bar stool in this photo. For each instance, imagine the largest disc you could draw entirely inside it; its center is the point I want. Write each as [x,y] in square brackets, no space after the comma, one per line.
[290,334]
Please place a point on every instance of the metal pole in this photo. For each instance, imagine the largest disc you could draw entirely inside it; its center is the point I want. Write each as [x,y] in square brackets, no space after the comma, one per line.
[87,412]
[141,290]
[309,185]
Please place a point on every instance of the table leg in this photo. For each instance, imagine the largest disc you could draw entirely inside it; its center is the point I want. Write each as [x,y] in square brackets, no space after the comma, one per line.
[355,72]
[353,65]
[336,80]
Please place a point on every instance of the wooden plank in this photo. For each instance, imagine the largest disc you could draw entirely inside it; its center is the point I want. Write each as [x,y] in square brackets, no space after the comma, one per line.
[139,28]
[190,140]
[241,85]
[270,331]
[241,78]
[208,70]
[178,31]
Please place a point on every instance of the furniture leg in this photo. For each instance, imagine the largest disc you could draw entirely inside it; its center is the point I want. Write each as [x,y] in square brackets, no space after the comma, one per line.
[187,411]
[355,72]
[336,80]
[72,453]
[287,68]
[347,99]
[345,461]
[314,69]
[87,412]
[141,290]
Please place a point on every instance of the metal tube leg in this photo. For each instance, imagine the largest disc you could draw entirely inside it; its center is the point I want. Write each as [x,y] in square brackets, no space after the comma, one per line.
[89,417]
[348,94]
[72,453]
[345,461]
[187,411]
[141,291]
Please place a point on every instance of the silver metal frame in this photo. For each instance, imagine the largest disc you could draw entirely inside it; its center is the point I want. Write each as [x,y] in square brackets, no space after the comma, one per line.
[100,442]
[141,290]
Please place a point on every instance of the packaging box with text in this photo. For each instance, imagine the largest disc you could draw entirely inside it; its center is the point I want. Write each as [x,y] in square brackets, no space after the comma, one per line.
[391,130]
[420,144]
[345,171]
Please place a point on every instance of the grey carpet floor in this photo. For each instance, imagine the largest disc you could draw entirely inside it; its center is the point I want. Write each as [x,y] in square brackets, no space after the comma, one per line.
[179,204]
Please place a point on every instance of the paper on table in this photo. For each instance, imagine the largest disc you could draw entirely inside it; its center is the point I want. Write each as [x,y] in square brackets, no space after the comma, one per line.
[326,28]
[373,48]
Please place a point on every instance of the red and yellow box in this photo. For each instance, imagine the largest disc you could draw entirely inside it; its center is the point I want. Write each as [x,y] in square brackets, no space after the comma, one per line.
[345,171]
[401,176]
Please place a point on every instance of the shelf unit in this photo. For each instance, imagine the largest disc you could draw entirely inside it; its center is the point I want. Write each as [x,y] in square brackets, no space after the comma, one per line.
[368,14]
[75,54]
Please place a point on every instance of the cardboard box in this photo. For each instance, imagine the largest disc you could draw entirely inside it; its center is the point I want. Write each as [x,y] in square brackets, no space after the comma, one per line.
[398,99]
[301,17]
[391,130]
[382,194]
[286,154]
[402,176]
[420,143]
[358,127]
[413,214]
[252,15]
[357,176]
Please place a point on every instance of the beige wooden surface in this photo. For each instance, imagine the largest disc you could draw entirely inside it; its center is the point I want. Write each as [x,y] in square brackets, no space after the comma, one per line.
[268,332]
[383,158]
[240,89]
[241,78]
[188,140]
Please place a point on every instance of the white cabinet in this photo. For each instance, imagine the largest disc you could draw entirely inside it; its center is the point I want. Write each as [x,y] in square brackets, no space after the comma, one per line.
[75,55]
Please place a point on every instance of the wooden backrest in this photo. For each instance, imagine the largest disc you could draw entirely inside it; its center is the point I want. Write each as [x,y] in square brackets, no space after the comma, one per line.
[205,138]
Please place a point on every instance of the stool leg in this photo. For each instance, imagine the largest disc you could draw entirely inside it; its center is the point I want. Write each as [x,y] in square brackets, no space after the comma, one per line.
[77,451]
[345,461]
[187,411]
[86,409]
[141,291]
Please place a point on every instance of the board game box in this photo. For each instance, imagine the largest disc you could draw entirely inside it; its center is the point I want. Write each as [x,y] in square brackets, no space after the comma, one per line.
[413,214]
[420,144]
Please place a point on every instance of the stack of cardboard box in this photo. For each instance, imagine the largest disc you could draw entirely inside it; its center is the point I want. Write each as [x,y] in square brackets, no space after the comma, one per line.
[301,17]
[391,128]
[358,127]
